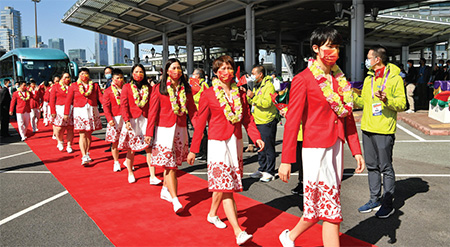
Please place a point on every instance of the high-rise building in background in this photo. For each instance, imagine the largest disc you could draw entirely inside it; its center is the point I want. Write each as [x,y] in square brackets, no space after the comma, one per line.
[10,28]
[30,41]
[118,51]
[101,49]
[77,55]
[56,44]
[127,52]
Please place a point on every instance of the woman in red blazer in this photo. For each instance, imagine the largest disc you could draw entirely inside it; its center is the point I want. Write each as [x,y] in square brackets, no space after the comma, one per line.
[58,97]
[225,108]
[321,98]
[21,97]
[35,101]
[134,102]
[170,102]
[111,107]
[84,95]
[45,104]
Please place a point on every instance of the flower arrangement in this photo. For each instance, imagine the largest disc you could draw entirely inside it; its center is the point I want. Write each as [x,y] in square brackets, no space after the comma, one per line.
[116,91]
[140,97]
[81,88]
[231,116]
[64,88]
[173,98]
[24,95]
[340,100]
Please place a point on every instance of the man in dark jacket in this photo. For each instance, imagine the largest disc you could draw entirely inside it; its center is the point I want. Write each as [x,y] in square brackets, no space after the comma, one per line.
[410,82]
[5,101]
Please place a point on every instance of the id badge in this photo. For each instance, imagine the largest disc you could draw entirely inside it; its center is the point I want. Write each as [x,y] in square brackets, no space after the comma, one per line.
[376,109]
[252,110]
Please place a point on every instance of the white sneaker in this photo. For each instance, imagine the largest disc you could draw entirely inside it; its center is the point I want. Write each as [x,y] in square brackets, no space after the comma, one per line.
[155,181]
[165,194]
[131,179]
[409,111]
[216,221]
[84,160]
[285,240]
[256,174]
[69,149]
[177,207]
[116,167]
[267,177]
[88,157]
[54,137]
[125,164]
[23,139]
[60,146]
[243,237]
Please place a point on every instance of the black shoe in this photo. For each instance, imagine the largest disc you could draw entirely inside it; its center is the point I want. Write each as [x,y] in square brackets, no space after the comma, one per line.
[384,212]
[298,190]
[201,157]
[108,150]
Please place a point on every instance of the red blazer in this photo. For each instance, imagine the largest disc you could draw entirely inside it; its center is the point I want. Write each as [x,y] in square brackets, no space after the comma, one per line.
[128,107]
[209,110]
[57,97]
[75,98]
[110,106]
[321,125]
[22,106]
[161,114]
[47,95]
[35,99]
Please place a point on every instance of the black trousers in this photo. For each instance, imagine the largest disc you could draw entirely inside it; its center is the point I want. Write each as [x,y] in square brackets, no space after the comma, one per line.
[266,158]
[4,123]
[299,161]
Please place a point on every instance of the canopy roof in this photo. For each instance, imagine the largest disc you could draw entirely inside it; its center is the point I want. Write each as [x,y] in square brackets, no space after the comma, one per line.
[144,21]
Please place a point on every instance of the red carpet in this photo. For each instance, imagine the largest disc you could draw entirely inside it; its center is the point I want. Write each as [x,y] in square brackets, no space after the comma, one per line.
[134,215]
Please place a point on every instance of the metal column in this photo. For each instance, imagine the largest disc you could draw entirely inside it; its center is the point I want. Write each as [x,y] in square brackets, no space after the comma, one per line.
[278,52]
[137,60]
[405,55]
[357,41]
[249,54]
[433,55]
[165,51]
[190,50]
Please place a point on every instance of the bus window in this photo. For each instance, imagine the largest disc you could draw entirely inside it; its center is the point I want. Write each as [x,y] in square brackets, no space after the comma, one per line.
[44,70]
[6,68]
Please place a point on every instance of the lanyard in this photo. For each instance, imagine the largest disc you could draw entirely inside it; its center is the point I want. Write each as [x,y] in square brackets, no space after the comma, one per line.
[382,86]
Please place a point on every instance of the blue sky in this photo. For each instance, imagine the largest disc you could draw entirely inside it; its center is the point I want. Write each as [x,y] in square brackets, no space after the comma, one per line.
[50,13]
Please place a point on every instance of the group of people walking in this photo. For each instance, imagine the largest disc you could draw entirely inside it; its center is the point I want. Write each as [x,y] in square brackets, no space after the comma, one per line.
[154,119]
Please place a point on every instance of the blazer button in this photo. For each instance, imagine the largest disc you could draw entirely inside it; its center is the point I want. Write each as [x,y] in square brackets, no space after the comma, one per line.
[335,121]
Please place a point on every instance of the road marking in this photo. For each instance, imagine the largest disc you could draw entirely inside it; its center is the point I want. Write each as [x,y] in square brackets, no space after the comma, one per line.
[410,133]
[353,174]
[26,172]
[14,155]
[417,141]
[32,207]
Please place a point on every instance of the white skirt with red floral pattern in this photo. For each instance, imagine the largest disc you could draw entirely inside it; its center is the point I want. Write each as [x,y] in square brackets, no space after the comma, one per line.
[134,139]
[170,146]
[59,119]
[86,118]
[113,132]
[225,165]
[322,177]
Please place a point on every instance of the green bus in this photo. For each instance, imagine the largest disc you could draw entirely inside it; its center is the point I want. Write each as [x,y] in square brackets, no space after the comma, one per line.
[41,64]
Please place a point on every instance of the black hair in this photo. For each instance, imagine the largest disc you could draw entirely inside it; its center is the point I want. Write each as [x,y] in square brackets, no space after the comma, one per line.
[107,67]
[423,60]
[221,60]
[381,52]
[322,35]
[46,83]
[260,69]
[22,82]
[53,78]
[4,81]
[141,83]
[183,79]
[118,72]
[410,61]
[32,81]
[84,70]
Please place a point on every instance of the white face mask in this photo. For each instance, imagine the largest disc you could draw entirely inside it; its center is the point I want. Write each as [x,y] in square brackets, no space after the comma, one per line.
[250,79]
[368,64]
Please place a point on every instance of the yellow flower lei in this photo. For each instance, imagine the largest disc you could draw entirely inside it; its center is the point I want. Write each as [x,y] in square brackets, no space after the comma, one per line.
[140,97]
[333,98]
[117,91]
[220,95]
[26,97]
[173,98]
[64,87]
[81,88]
